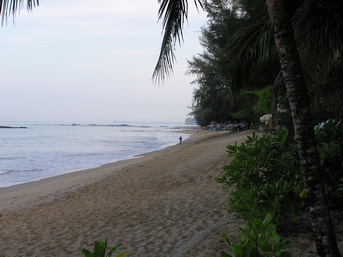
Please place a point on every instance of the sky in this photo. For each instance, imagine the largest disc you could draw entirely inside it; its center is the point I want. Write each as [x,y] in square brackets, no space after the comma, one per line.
[92,61]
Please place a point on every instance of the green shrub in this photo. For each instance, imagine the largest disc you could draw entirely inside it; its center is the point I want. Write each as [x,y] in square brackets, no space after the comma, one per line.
[264,177]
[259,239]
[330,146]
[100,249]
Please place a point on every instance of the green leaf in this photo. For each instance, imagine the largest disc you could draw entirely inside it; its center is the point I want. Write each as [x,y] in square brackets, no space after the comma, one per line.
[268,218]
[248,249]
[115,247]
[277,253]
[265,247]
[123,254]
[86,253]
[100,249]
[237,251]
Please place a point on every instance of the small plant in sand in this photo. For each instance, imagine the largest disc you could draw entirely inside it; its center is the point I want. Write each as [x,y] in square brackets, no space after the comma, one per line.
[100,250]
[259,239]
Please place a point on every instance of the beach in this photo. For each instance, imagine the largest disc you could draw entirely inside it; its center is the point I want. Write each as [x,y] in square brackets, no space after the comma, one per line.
[163,204]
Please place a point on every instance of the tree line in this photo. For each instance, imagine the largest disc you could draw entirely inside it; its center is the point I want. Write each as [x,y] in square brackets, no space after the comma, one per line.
[238,74]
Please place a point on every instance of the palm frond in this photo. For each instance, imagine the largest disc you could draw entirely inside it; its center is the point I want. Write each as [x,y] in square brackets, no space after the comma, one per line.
[319,28]
[11,7]
[328,96]
[319,34]
[174,13]
[315,71]
[251,49]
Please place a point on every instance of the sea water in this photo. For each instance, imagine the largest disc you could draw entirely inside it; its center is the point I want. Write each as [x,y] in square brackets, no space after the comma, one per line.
[48,149]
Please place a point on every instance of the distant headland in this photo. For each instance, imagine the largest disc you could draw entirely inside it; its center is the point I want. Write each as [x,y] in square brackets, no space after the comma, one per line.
[9,127]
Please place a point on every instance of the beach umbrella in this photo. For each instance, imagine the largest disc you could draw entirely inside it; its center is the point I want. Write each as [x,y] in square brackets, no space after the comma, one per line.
[265,118]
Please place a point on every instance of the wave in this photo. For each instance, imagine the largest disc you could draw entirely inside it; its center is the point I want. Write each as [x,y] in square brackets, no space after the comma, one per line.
[4,172]
[11,158]
[82,154]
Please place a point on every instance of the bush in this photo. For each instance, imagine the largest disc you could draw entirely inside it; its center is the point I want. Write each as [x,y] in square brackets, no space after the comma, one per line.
[264,177]
[329,139]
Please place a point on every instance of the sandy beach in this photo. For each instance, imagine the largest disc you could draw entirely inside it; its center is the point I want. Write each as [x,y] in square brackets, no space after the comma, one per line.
[164,204]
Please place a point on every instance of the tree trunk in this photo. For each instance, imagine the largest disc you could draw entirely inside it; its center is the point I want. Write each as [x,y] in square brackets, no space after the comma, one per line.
[303,128]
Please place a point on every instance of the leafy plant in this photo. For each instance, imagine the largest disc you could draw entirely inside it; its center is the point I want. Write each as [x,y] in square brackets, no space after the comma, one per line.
[329,136]
[259,239]
[264,177]
[100,249]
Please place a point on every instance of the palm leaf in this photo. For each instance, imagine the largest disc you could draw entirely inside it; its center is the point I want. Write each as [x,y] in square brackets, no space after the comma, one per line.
[174,13]
[250,50]
[11,7]
[319,33]
[319,28]
[329,95]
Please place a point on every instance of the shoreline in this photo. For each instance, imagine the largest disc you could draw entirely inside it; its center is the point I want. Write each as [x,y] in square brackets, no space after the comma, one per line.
[47,151]
[165,204]
[69,181]
[67,169]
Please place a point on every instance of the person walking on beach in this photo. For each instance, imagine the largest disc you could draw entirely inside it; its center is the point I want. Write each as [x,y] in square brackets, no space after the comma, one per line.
[180,138]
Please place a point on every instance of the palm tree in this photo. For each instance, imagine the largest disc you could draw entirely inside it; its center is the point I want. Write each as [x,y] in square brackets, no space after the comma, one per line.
[280,20]
[303,126]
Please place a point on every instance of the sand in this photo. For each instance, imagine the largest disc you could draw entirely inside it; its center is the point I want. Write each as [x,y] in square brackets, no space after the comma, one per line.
[164,204]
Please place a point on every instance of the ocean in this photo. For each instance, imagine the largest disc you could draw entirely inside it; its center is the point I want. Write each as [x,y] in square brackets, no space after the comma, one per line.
[45,150]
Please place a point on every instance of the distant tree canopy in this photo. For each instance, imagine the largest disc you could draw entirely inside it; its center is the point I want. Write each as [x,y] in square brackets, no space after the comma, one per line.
[240,56]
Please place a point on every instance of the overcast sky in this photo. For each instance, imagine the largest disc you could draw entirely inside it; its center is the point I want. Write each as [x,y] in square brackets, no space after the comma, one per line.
[92,61]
